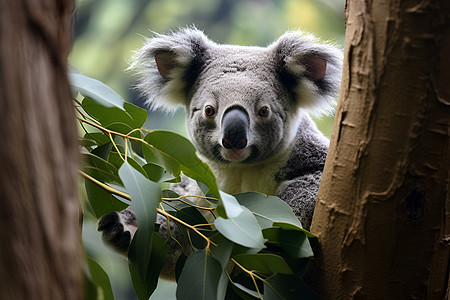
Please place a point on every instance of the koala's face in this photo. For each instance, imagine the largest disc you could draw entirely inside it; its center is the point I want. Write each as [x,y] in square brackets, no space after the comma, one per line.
[242,103]
[238,111]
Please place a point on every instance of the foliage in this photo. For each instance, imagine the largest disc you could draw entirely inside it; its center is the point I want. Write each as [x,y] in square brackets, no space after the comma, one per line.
[254,247]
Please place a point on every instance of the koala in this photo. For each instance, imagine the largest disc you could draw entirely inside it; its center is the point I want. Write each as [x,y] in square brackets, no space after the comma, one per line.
[248,114]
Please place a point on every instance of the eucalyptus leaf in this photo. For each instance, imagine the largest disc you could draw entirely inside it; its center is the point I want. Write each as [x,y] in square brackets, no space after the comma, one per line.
[165,161]
[98,138]
[144,287]
[289,226]
[176,148]
[157,173]
[87,143]
[172,206]
[243,230]
[200,277]
[137,166]
[244,292]
[169,194]
[264,263]
[102,151]
[294,242]
[136,147]
[145,197]
[122,189]
[117,160]
[116,119]
[222,252]
[202,187]
[192,216]
[100,278]
[179,266]
[90,289]
[238,249]
[268,209]
[96,90]
[99,168]
[222,286]
[281,286]
[231,207]
[101,201]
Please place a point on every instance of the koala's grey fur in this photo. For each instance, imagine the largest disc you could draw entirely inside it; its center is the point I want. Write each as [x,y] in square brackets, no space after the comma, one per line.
[285,152]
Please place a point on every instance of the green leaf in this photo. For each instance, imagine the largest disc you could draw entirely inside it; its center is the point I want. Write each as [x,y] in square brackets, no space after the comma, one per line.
[116,119]
[244,292]
[176,153]
[145,287]
[117,160]
[192,216]
[280,286]
[169,194]
[101,201]
[222,252]
[114,157]
[264,263]
[145,197]
[199,278]
[137,166]
[122,189]
[87,143]
[288,226]
[268,209]
[156,157]
[99,168]
[102,151]
[243,230]
[157,173]
[90,289]
[203,187]
[98,138]
[173,206]
[238,249]
[100,279]
[137,148]
[229,207]
[294,242]
[95,90]
[222,286]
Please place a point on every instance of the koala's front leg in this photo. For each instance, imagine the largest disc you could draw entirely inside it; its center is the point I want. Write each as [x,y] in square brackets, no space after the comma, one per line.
[118,229]
[300,194]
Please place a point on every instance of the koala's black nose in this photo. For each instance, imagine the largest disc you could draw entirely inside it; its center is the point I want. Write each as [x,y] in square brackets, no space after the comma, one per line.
[235,128]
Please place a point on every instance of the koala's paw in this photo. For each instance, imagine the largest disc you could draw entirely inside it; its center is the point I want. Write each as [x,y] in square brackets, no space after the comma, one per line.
[118,229]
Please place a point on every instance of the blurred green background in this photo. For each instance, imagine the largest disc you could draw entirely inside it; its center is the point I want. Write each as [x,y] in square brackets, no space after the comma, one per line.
[107,31]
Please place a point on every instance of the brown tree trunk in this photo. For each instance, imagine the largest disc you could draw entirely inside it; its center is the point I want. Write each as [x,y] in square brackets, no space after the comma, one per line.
[383,209]
[40,251]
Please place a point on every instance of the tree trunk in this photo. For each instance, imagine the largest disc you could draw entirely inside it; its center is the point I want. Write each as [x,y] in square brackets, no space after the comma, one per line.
[383,209]
[40,252]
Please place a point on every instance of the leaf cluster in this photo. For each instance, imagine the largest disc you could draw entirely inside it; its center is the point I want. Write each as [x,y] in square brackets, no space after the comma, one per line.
[248,245]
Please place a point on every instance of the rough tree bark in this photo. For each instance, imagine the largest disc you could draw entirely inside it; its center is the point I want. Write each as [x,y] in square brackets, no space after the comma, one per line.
[40,252]
[383,214]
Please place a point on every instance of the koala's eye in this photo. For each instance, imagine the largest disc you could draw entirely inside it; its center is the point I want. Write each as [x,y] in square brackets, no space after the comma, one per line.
[264,112]
[209,110]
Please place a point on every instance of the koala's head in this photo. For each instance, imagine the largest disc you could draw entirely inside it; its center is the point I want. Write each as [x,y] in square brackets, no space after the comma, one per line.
[242,103]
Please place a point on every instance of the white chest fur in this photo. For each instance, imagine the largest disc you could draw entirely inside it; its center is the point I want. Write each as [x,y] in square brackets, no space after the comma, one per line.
[239,178]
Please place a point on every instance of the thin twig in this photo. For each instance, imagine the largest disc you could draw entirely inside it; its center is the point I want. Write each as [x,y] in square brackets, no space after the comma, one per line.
[167,215]
[104,186]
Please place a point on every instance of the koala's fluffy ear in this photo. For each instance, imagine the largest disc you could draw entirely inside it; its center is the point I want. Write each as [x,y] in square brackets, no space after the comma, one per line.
[169,65]
[311,70]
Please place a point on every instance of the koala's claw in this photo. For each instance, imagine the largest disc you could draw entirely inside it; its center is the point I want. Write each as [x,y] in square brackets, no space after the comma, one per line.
[115,232]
